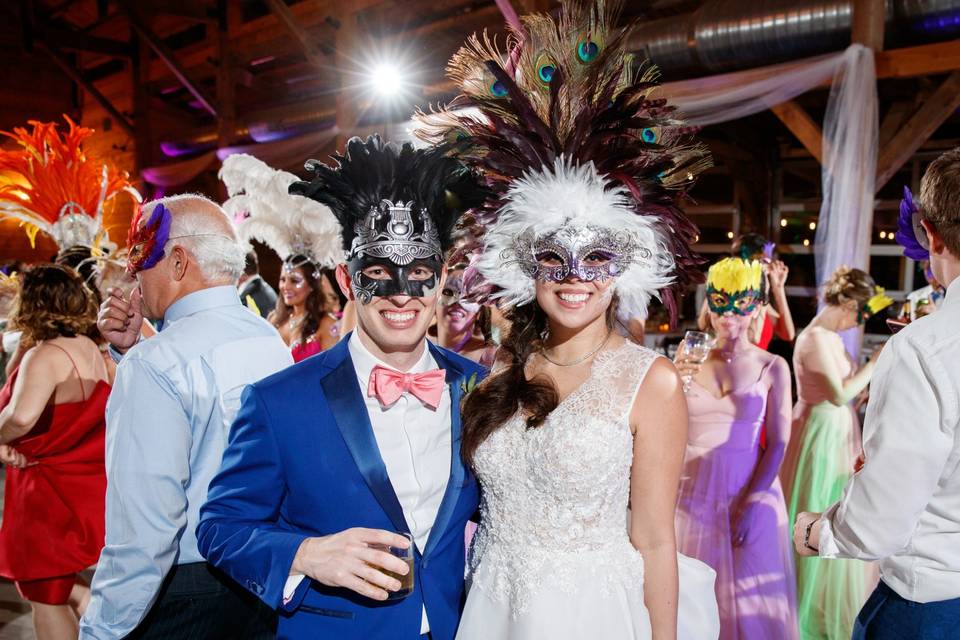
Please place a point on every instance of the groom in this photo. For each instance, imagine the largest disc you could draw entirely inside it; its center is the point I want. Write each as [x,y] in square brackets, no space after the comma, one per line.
[360,444]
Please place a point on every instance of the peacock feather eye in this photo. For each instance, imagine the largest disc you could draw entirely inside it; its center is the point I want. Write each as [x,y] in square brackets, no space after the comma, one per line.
[498,89]
[587,51]
[650,135]
[546,72]
[546,68]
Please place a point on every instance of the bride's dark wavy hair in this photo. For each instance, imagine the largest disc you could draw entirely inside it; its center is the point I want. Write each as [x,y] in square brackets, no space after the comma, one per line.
[495,400]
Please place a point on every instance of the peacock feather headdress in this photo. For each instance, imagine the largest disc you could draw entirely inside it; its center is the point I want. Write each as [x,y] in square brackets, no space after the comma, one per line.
[567,135]
[59,188]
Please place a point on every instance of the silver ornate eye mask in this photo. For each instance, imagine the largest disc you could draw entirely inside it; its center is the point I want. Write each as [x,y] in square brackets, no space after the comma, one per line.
[587,253]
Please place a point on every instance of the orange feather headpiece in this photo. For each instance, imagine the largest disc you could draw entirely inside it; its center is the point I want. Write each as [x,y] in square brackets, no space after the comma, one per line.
[57,187]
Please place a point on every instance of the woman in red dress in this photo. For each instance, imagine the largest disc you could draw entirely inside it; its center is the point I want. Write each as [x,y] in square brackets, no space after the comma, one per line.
[52,441]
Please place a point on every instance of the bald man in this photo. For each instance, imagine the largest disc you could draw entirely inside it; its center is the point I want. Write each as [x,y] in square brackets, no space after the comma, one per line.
[168,416]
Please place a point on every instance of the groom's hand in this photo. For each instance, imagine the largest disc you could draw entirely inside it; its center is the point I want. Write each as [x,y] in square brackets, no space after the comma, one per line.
[347,560]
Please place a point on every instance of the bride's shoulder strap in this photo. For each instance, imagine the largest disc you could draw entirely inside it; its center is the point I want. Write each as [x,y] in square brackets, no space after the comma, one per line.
[632,362]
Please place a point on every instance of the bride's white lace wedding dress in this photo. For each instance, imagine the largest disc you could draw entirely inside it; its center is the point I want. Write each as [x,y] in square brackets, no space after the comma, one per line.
[552,559]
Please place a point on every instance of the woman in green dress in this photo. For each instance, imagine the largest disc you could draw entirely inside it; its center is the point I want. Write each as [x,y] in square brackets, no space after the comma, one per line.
[824,448]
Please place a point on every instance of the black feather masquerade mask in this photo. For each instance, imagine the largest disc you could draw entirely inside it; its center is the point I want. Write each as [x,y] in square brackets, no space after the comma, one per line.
[397,207]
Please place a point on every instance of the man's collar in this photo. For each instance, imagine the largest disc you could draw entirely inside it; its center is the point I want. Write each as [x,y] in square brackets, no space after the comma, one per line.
[364,361]
[209,298]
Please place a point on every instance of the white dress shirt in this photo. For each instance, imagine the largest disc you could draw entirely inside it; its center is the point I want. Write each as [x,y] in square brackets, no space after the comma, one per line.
[414,442]
[903,507]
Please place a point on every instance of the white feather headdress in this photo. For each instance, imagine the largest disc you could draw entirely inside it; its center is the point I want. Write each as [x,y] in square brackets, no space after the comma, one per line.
[263,209]
[575,199]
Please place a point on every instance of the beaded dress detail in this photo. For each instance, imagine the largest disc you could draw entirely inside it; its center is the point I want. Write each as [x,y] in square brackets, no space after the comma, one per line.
[553,557]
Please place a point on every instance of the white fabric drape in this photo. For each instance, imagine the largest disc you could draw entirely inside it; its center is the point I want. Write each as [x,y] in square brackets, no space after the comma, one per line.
[849,137]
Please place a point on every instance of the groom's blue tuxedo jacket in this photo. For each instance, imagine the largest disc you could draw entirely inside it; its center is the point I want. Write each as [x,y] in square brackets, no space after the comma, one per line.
[302,461]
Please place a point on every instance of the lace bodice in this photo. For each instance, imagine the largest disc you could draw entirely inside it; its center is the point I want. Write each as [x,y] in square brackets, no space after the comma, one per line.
[555,498]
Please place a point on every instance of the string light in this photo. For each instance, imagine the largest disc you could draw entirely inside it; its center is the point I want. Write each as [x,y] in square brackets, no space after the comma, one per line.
[883,235]
[813,226]
[730,235]
[783,222]
[806,242]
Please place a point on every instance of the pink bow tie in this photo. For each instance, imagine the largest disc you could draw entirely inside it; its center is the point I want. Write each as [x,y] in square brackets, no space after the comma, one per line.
[388,385]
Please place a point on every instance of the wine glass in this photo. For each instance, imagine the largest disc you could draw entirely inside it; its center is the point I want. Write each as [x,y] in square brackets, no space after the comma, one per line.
[696,348]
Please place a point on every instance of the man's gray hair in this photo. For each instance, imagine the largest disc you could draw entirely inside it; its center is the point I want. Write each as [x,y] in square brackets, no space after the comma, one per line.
[211,242]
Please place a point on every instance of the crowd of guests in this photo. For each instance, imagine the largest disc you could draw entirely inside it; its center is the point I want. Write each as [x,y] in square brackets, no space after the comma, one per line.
[756,462]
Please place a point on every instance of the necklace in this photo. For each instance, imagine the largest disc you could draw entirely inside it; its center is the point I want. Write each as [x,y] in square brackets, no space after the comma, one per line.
[578,360]
[293,323]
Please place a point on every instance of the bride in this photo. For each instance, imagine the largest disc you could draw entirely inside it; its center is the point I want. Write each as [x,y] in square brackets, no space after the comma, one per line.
[578,436]
[575,424]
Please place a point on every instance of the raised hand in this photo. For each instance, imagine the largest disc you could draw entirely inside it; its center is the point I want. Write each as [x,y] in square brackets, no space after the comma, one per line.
[347,560]
[777,273]
[120,319]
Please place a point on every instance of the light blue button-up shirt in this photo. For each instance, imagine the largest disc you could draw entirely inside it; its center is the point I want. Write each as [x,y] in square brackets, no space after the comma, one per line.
[168,418]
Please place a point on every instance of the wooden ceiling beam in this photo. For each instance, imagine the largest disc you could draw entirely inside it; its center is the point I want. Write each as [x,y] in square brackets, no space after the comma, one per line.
[922,60]
[65,38]
[77,76]
[801,125]
[934,112]
[300,36]
[165,54]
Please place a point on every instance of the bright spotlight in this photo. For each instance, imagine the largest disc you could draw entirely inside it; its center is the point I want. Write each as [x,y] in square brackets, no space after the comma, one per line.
[386,80]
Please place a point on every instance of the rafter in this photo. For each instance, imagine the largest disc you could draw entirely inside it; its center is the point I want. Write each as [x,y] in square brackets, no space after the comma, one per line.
[300,36]
[165,54]
[801,125]
[934,112]
[75,75]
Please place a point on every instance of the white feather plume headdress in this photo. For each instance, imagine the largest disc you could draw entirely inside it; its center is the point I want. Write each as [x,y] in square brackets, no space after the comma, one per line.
[578,202]
[263,209]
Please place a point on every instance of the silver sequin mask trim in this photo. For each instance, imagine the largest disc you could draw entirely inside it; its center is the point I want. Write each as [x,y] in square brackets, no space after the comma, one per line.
[587,253]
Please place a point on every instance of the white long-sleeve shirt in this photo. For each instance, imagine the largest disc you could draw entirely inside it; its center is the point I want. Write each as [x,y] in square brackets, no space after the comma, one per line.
[903,507]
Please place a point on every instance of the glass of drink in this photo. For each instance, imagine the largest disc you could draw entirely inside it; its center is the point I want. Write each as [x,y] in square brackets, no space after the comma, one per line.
[696,348]
[406,582]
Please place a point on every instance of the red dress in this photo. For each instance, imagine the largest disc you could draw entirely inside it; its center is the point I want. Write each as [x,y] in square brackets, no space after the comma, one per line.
[53,512]
[766,332]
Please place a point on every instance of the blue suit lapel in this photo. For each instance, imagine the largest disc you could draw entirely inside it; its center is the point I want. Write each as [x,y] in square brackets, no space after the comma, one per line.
[454,379]
[350,412]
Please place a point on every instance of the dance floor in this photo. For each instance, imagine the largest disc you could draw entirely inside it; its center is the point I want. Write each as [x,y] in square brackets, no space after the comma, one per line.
[14,613]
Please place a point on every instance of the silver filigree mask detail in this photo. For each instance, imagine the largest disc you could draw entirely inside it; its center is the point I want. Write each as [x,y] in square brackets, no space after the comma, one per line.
[388,233]
[587,253]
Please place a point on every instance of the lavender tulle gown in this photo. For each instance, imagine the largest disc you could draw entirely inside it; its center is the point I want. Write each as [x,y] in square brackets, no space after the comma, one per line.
[755,581]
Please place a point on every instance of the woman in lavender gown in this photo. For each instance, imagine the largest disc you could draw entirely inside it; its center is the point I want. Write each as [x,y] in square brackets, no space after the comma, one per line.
[731,512]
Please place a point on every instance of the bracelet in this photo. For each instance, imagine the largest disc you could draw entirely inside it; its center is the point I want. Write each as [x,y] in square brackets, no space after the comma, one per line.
[806,536]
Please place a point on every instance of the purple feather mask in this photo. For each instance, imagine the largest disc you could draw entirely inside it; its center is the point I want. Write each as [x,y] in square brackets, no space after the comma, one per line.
[146,241]
[910,234]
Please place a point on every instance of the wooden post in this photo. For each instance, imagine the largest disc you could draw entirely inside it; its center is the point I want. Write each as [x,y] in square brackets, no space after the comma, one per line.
[868,23]
[226,85]
[348,112]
